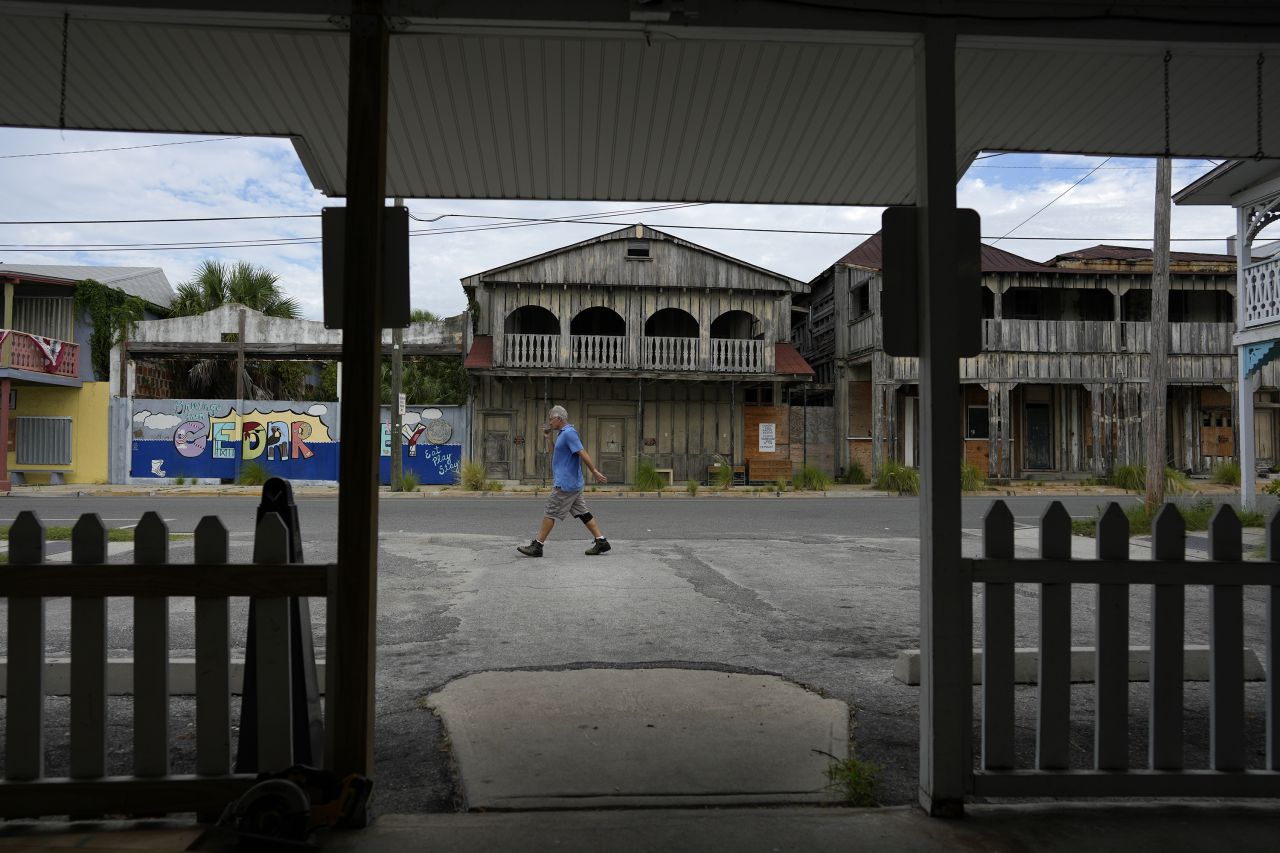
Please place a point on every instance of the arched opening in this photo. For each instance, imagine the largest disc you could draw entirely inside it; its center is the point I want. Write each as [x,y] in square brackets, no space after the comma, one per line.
[671,323]
[671,340]
[736,324]
[531,320]
[598,338]
[598,321]
[737,343]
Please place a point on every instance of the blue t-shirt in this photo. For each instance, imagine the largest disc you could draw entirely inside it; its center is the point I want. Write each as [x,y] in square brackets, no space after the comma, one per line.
[566,470]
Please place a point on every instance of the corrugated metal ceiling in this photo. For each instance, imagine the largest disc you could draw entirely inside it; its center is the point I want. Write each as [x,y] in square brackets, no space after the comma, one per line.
[615,116]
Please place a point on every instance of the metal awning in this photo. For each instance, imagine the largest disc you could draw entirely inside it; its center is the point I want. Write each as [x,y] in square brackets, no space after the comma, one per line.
[746,102]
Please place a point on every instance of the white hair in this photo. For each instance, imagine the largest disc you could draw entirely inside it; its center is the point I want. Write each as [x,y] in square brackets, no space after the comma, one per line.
[558,412]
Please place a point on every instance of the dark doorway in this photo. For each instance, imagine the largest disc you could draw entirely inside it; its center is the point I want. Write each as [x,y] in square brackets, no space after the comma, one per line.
[1039,453]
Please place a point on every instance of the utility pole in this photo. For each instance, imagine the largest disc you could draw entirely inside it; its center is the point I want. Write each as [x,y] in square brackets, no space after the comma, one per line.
[1159,339]
[397,414]
[397,411]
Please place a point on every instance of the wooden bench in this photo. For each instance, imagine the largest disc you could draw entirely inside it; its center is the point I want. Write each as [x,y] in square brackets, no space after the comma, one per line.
[18,476]
[768,470]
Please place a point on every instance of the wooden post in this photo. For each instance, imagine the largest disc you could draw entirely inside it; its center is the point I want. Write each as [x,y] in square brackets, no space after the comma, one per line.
[946,594]
[1157,398]
[1244,392]
[397,368]
[353,585]
[240,361]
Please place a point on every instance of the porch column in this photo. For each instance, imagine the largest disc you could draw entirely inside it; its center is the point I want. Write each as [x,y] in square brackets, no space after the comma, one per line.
[353,586]
[946,608]
[1244,388]
[6,359]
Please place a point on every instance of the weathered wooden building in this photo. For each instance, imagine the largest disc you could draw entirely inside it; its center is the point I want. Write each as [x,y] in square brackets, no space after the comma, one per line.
[1060,386]
[659,348]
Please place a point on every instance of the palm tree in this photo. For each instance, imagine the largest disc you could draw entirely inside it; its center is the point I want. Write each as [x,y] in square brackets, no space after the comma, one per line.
[216,284]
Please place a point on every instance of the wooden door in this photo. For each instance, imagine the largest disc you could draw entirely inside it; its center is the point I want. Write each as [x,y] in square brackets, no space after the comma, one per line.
[613,448]
[497,446]
[1039,446]
[1264,436]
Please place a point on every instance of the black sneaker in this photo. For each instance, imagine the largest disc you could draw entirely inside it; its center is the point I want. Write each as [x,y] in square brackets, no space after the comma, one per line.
[533,549]
[597,547]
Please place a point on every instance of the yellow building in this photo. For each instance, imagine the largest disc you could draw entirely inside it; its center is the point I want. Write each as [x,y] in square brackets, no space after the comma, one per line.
[54,401]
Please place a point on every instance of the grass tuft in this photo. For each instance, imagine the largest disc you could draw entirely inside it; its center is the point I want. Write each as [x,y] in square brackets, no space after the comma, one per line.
[647,477]
[856,475]
[691,487]
[855,779]
[893,476]
[811,478]
[1227,473]
[252,474]
[971,479]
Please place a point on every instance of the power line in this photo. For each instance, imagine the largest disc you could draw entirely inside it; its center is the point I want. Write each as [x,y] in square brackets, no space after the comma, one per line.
[121,148]
[1055,198]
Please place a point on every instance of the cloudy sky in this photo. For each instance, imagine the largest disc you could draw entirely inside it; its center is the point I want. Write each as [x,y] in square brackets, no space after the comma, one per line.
[54,181]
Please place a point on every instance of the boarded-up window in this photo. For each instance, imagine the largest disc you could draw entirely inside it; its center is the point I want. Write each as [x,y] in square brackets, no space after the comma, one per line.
[44,441]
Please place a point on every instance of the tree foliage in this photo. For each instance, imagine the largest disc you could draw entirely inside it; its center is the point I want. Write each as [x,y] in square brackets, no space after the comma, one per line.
[112,312]
[216,284]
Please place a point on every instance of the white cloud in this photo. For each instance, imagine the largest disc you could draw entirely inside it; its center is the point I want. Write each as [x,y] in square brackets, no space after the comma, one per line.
[318,409]
[262,177]
[141,416]
[410,418]
[162,421]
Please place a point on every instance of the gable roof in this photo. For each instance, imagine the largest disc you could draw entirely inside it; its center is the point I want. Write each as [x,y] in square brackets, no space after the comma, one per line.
[631,232]
[1104,252]
[148,283]
[869,254]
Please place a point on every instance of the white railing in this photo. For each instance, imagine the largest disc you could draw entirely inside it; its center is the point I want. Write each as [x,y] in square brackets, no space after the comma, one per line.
[670,353]
[531,351]
[88,580]
[737,355]
[1232,770]
[598,351]
[1261,293]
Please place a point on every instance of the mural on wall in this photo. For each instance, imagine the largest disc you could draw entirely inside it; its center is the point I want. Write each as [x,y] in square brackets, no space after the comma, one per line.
[211,439]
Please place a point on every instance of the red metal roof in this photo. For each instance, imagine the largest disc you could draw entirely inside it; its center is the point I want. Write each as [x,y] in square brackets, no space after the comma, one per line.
[1133,253]
[788,361]
[481,355]
[869,255]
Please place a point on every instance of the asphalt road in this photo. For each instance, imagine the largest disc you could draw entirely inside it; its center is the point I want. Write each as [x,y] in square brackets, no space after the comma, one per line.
[622,517]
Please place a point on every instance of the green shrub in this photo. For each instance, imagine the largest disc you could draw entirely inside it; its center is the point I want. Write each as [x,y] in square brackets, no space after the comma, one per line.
[647,477]
[812,479]
[971,479]
[472,476]
[493,486]
[253,474]
[893,476]
[723,477]
[179,481]
[780,485]
[856,475]
[1272,487]
[1227,473]
[408,482]
[691,487]
[1133,478]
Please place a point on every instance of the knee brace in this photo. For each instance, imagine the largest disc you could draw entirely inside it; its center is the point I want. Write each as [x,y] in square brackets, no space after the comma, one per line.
[585,518]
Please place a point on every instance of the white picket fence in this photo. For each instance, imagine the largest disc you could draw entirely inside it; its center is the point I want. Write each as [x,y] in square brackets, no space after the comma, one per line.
[27,581]
[1228,773]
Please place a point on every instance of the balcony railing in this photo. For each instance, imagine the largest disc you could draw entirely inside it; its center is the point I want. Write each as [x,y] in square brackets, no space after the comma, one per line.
[532,351]
[598,351]
[59,358]
[737,355]
[670,353]
[1261,293]
[605,352]
[1078,336]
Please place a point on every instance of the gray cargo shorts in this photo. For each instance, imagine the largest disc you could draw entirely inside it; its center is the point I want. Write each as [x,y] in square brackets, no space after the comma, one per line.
[562,503]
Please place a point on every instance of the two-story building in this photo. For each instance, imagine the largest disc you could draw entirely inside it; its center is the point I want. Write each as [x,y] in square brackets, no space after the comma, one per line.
[53,403]
[659,348]
[1060,386]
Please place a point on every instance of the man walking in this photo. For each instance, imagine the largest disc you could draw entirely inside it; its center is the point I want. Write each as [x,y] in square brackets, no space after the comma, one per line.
[566,495]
